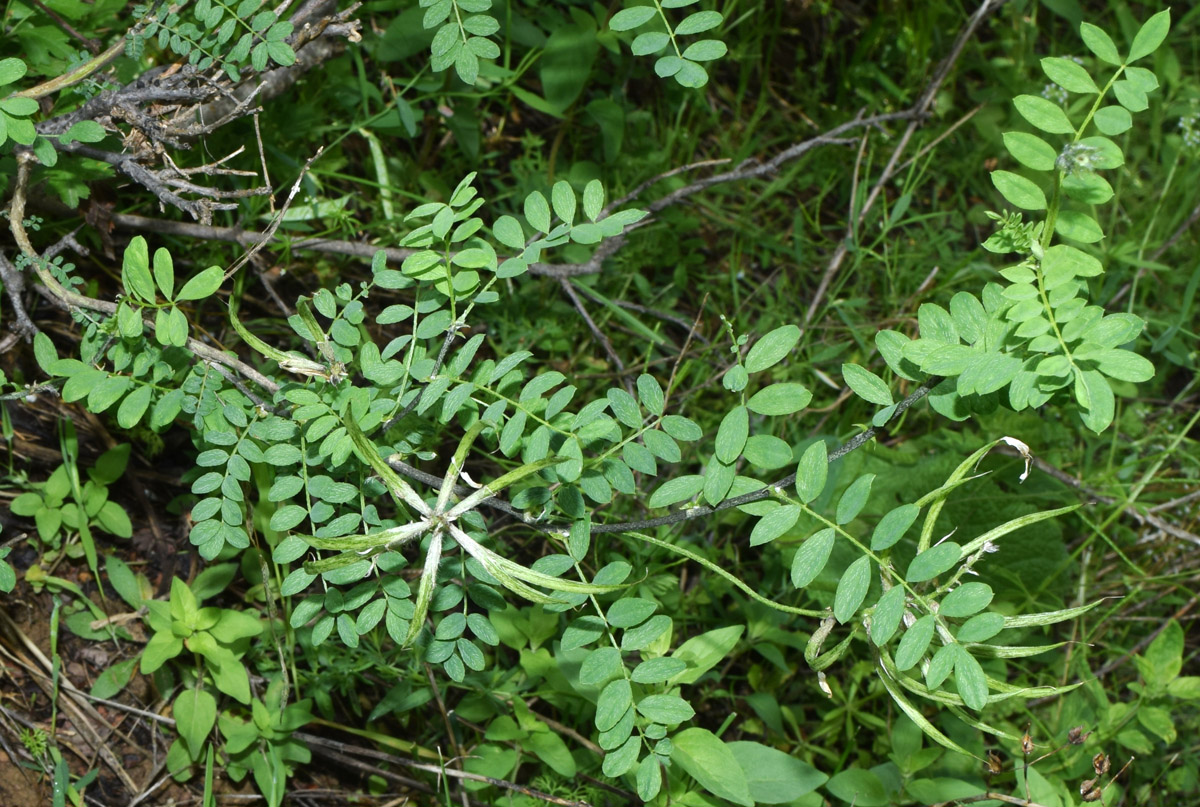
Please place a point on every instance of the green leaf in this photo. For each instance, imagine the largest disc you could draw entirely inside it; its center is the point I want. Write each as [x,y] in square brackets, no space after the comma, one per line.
[779,399]
[967,599]
[537,212]
[195,715]
[666,709]
[650,393]
[134,406]
[1113,120]
[706,50]
[867,385]
[812,472]
[706,651]
[44,352]
[11,69]
[1150,35]
[600,665]
[1101,405]
[630,611]
[732,434]
[84,131]
[941,665]
[858,787]
[649,778]
[811,557]
[767,451]
[773,776]
[892,526]
[699,22]
[854,499]
[886,617]
[593,199]
[852,589]
[677,490]
[1019,191]
[1043,114]
[1099,43]
[656,670]
[113,679]
[933,561]
[164,272]
[1076,225]
[704,757]
[970,681]
[980,628]
[615,700]
[202,285]
[135,270]
[562,197]
[774,524]
[773,347]
[914,642]
[629,18]
[1069,75]
[1030,150]
[1123,365]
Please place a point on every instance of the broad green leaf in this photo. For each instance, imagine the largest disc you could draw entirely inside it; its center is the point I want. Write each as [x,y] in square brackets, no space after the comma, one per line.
[852,589]
[649,778]
[599,666]
[867,385]
[858,787]
[195,715]
[941,665]
[1130,96]
[1068,75]
[630,611]
[650,393]
[1019,191]
[706,651]
[677,490]
[774,524]
[773,776]
[1113,120]
[562,197]
[593,199]
[812,472]
[811,557]
[854,499]
[164,272]
[666,709]
[537,211]
[970,681]
[135,270]
[1045,115]
[933,561]
[621,761]
[886,617]
[767,451]
[1101,405]
[657,670]
[1030,150]
[915,642]
[134,406]
[698,22]
[202,285]
[1123,365]
[706,50]
[967,599]
[771,348]
[1078,226]
[615,700]
[980,628]
[704,757]
[1099,43]
[779,399]
[1150,35]
[629,18]
[732,434]
[892,526]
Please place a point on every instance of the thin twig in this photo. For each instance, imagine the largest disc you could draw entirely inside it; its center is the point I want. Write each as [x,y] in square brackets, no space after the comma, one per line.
[600,336]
